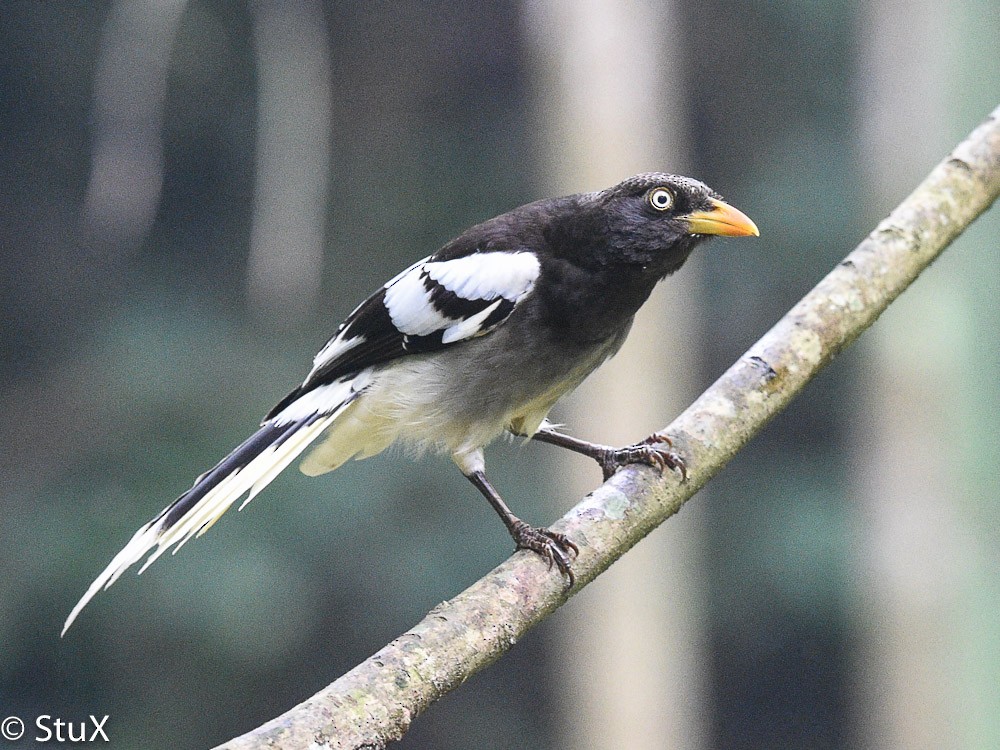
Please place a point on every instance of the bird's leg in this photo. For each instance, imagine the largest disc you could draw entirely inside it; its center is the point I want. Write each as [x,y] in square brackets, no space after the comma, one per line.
[650,452]
[554,547]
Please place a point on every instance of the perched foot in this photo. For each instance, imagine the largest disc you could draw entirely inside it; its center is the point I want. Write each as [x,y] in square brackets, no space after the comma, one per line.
[613,459]
[649,452]
[554,547]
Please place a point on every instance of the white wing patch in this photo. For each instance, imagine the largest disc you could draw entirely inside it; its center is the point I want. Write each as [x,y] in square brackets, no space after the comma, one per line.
[480,277]
[469,327]
[410,307]
[487,275]
[477,277]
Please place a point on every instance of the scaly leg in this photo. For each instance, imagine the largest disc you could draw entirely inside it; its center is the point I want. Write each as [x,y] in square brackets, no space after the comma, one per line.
[554,547]
[612,459]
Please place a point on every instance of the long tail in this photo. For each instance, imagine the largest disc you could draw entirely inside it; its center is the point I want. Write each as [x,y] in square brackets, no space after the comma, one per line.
[249,468]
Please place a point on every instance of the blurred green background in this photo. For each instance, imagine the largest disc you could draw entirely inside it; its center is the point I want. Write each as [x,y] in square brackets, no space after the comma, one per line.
[194,194]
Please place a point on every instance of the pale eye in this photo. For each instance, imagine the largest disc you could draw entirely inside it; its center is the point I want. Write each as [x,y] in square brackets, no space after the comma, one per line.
[660,198]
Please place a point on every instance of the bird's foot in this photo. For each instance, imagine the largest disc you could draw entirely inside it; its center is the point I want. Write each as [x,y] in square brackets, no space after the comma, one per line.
[656,451]
[551,545]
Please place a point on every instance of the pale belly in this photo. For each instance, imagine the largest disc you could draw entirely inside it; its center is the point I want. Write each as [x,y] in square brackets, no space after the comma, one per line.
[457,401]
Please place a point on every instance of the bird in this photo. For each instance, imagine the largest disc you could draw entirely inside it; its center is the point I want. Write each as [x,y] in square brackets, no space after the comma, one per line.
[479,339]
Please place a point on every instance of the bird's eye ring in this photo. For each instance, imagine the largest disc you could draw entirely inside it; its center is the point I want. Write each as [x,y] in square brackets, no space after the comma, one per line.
[660,198]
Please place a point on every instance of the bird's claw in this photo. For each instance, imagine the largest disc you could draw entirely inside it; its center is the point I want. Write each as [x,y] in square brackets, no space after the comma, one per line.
[649,452]
[551,545]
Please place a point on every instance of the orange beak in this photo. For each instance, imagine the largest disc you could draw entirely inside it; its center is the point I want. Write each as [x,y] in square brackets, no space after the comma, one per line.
[723,220]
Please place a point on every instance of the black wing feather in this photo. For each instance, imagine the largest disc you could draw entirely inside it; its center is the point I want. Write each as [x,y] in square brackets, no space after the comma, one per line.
[368,336]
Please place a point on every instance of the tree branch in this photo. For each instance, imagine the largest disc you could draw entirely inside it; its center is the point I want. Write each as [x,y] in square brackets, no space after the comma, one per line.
[375,702]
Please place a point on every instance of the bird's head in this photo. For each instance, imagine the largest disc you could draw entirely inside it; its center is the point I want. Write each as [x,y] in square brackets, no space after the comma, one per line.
[654,220]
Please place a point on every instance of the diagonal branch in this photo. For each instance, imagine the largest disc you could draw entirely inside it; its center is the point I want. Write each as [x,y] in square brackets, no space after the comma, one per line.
[374,703]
